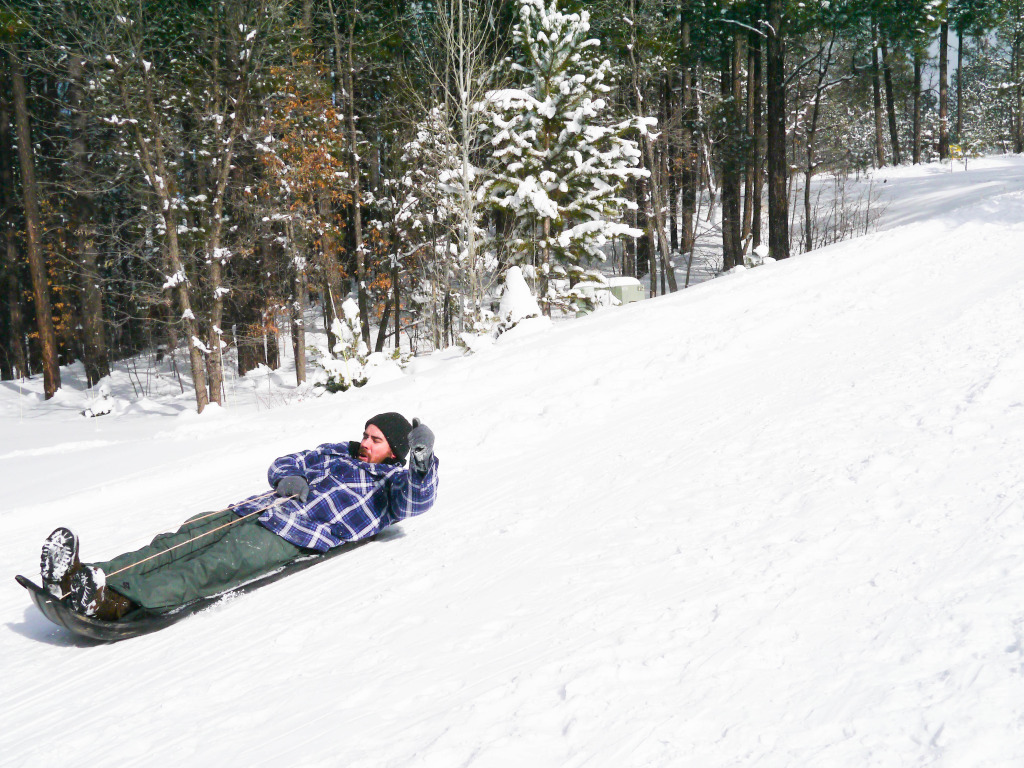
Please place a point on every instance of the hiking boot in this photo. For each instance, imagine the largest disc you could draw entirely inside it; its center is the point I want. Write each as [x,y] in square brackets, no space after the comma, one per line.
[58,561]
[89,595]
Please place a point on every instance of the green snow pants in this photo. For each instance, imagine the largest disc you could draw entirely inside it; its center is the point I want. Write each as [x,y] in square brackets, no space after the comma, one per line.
[203,565]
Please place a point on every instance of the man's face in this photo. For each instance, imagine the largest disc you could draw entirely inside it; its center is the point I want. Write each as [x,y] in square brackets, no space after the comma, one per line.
[374,448]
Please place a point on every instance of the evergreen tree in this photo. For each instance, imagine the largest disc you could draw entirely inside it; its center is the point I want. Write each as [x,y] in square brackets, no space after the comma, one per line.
[344,365]
[561,159]
[431,225]
[1010,34]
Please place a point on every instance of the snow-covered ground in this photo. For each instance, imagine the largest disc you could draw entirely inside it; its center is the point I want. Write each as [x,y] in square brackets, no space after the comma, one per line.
[775,520]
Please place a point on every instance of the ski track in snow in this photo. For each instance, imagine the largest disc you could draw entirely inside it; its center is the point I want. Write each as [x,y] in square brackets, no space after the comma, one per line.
[62,448]
[776,520]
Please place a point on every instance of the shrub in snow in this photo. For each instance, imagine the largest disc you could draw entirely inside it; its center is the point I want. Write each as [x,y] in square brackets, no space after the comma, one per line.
[758,257]
[102,404]
[480,328]
[345,365]
[517,301]
[586,294]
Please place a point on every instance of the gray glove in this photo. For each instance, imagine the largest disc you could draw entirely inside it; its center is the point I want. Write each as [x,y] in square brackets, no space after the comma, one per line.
[293,485]
[421,447]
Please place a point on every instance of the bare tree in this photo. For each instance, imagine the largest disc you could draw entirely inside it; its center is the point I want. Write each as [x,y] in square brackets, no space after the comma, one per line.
[821,84]
[754,180]
[190,109]
[459,58]
[15,362]
[876,94]
[689,149]
[83,230]
[778,202]
[918,66]
[944,89]
[345,64]
[656,181]
[36,262]
[890,102]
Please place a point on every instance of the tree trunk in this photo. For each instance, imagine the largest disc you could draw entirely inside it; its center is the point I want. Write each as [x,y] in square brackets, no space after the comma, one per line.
[84,232]
[876,93]
[1018,51]
[652,261]
[184,300]
[250,344]
[750,160]
[298,312]
[959,136]
[353,137]
[688,149]
[671,163]
[345,66]
[918,66]
[668,273]
[545,304]
[382,329]
[730,154]
[398,303]
[825,59]
[657,207]
[188,320]
[757,144]
[36,260]
[809,171]
[890,105]
[273,340]
[10,291]
[643,258]
[944,90]
[631,246]
[151,157]
[230,107]
[394,300]
[333,290]
[778,203]
[214,333]
[253,313]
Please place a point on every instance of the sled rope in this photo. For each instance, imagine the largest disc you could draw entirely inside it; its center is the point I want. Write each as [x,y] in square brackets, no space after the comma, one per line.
[239,519]
[230,507]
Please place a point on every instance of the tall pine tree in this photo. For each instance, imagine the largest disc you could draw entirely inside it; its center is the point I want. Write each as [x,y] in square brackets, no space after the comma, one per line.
[562,159]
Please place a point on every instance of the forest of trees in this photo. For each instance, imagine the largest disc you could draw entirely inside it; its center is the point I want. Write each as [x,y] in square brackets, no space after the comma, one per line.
[189,179]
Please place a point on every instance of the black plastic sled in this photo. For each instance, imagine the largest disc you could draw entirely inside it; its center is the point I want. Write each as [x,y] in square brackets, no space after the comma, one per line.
[142,621]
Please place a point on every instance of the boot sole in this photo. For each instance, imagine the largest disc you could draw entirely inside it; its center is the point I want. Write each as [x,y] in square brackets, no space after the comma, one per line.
[86,590]
[58,557]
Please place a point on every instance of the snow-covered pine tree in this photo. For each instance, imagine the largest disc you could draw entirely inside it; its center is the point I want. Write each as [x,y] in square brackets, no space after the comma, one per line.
[431,221]
[345,365]
[561,158]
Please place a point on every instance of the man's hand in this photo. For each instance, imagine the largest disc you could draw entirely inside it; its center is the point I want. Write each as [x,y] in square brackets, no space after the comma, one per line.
[421,447]
[293,485]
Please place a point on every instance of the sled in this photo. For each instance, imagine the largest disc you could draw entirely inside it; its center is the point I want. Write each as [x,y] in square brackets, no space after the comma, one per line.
[142,621]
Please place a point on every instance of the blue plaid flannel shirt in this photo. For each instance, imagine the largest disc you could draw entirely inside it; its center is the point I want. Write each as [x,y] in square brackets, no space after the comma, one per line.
[348,499]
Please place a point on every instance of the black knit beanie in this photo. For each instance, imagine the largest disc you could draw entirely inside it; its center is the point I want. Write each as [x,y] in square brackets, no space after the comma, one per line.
[395,430]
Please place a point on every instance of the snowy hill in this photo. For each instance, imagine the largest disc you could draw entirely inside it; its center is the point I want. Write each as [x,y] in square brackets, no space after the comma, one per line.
[776,519]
